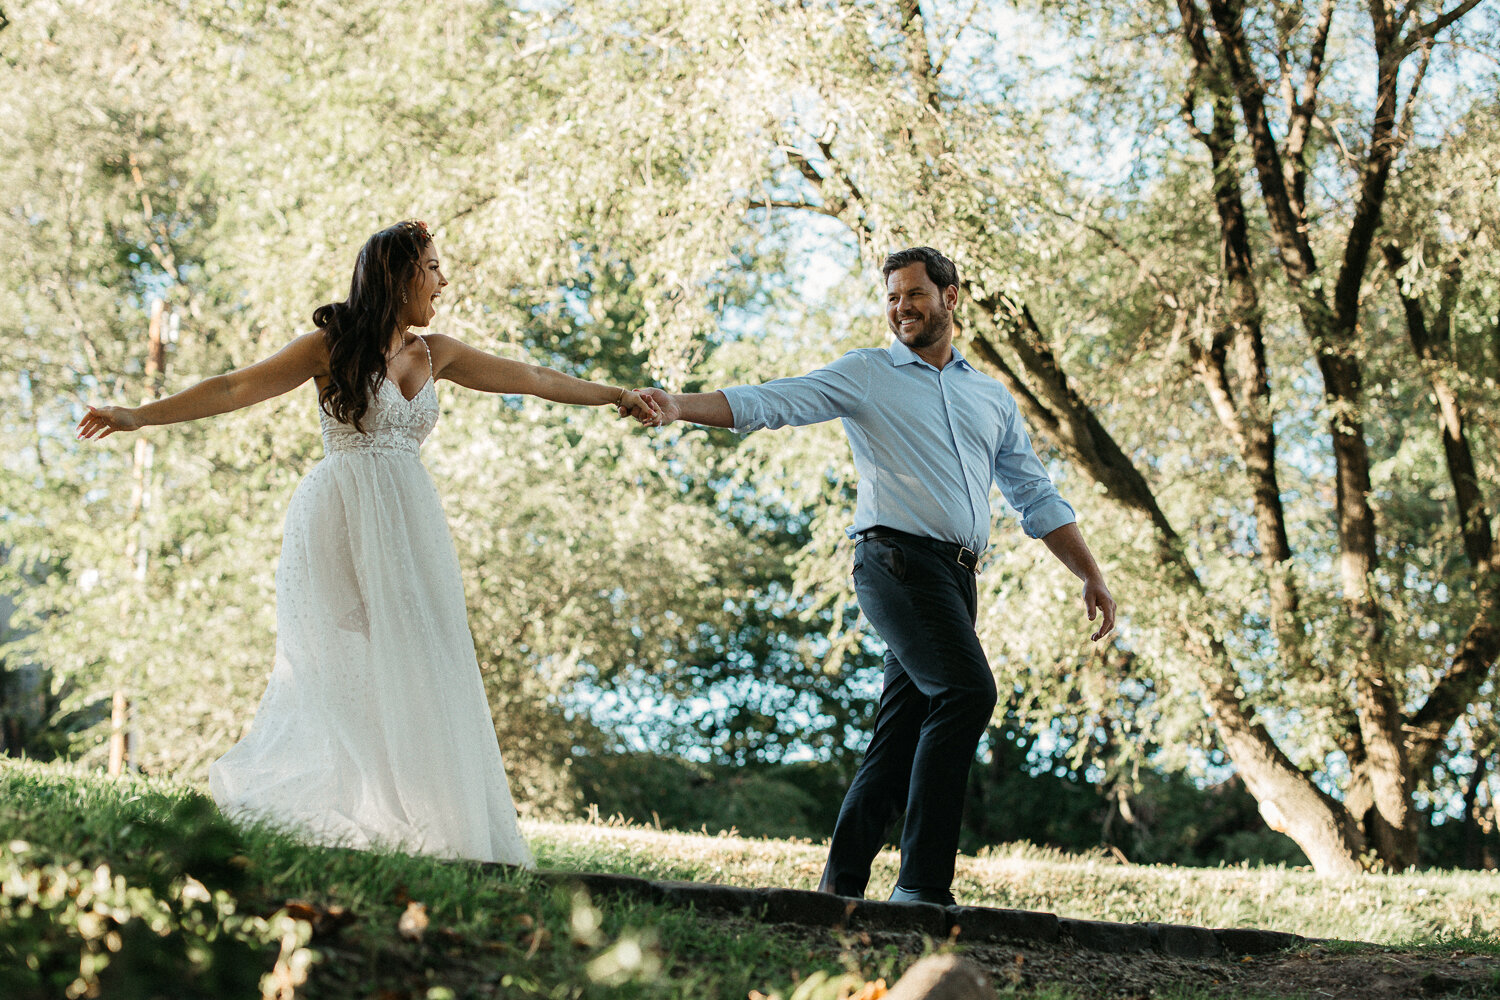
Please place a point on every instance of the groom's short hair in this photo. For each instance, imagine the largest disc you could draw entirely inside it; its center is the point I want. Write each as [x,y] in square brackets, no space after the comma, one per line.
[940,270]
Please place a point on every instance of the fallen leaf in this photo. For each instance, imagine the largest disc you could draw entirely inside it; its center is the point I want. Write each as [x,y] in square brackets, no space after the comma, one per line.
[325,920]
[413,922]
[298,910]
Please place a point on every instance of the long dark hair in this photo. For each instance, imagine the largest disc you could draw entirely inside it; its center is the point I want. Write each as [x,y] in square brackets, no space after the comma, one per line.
[358,329]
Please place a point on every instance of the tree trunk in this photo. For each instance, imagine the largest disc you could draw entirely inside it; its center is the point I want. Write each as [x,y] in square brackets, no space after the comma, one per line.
[1473,834]
[1289,801]
[119,737]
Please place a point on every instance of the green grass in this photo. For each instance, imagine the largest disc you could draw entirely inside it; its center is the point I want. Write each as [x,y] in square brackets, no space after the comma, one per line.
[1416,909]
[138,888]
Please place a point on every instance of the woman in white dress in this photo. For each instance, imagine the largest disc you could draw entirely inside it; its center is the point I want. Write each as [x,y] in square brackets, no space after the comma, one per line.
[374,729]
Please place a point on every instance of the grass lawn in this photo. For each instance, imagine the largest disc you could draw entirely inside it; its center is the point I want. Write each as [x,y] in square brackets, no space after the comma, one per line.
[138,889]
[1382,909]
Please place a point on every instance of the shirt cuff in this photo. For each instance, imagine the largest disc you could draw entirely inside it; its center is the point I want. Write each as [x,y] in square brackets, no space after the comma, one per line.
[1048,517]
[744,408]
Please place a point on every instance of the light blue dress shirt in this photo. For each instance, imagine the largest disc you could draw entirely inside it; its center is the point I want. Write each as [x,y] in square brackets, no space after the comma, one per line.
[927,443]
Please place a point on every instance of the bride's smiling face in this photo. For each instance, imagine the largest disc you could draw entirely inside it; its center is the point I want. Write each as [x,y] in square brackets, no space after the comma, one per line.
[426,285]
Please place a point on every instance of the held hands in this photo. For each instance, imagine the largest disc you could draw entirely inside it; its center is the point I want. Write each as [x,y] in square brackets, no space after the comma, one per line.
[663,409]
[102,421]
[635,403]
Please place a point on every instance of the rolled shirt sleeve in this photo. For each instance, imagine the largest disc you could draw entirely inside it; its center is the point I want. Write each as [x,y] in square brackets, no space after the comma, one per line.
[825,394]
[1024,482]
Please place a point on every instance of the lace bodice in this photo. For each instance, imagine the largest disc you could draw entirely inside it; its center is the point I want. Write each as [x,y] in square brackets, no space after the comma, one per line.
[393,423]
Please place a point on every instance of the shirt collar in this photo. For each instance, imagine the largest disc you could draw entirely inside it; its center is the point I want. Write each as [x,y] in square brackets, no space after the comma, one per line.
[903,355]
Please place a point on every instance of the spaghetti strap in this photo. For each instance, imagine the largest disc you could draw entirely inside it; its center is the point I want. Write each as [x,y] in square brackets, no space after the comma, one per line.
[431,372]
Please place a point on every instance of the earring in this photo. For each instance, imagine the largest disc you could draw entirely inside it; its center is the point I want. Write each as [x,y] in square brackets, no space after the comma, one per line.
[403,296]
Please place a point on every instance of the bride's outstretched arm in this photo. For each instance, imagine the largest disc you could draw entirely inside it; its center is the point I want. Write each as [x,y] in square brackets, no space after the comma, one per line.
[302,359]
[474,369]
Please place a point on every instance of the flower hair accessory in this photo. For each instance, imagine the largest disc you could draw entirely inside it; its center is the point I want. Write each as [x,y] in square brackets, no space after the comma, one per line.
[419,228]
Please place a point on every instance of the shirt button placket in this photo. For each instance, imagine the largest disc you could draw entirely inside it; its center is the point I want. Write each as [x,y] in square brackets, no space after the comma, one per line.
[958,453]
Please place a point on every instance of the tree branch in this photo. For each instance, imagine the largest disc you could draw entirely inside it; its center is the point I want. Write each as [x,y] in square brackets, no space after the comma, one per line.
[1404,130]
[1473,662]
[1286,223]
[963,25]
[1305,106]
[1430,30]
[1473,665]
[774,203]
[1384,144]
[1077,431]
[836,204]
[1282,789]
[1433,348]
[825,146]
[161,244]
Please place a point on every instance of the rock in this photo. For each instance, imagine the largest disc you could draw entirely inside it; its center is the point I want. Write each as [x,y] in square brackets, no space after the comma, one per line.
[985,923]
[926,918]
[1246,941]
[1103,935]
[706,896]
[801,906]
[1182,941]
[601,884]
[942,977]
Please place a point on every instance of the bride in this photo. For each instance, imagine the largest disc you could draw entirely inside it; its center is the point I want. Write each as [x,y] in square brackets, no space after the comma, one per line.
[374,728]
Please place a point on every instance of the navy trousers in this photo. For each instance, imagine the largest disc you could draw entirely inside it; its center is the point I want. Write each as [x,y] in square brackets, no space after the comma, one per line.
[938,698]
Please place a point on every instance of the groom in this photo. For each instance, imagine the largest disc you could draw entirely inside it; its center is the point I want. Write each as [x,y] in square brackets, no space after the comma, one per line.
[929,434]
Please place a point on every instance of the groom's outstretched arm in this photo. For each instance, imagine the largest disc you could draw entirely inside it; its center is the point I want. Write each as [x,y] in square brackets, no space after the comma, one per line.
[710,408]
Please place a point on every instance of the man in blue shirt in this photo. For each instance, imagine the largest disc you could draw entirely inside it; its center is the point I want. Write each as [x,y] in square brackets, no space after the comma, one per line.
[929,435]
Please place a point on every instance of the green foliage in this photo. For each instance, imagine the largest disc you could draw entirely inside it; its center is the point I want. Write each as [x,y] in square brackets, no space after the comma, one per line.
[699,195]
[72,931]
[144,907]
[1021,791]
[151,571]
[755,800]
[138,888]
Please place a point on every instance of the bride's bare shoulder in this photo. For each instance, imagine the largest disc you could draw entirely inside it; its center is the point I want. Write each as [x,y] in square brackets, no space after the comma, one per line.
[311,348]
[441,341]
[443,347]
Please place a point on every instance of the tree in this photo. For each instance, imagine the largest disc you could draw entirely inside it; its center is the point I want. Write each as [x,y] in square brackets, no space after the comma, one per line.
[185,218]
[1305,645]
[1222,254]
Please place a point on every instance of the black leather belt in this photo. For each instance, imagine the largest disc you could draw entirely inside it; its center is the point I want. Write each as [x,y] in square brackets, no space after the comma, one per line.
[961,554]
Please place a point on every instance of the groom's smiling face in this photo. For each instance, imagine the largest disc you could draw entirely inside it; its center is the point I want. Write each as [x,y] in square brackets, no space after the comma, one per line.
[920,313]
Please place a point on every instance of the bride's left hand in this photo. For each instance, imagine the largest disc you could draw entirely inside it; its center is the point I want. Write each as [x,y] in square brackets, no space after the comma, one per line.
[634,404]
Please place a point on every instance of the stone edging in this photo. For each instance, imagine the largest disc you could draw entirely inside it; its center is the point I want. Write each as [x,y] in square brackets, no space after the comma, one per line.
[966,923]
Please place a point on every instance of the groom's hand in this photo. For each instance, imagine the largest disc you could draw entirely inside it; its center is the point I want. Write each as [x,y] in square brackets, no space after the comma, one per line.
[664,405]
[633,403]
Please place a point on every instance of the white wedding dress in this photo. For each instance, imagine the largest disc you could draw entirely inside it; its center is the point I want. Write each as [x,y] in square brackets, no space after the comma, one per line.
[374,730]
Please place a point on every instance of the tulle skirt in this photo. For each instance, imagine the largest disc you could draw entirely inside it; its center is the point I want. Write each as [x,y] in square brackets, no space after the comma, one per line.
[374,730]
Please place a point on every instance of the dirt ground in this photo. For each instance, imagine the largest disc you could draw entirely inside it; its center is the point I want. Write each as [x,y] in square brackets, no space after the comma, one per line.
[1317,972]
[1364,973]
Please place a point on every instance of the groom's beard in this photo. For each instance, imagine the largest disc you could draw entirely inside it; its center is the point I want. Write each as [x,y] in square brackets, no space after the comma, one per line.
[926,333]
